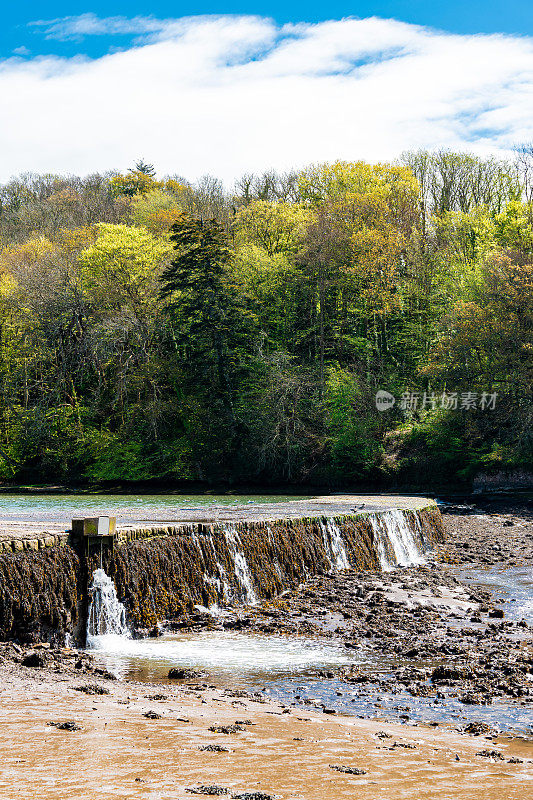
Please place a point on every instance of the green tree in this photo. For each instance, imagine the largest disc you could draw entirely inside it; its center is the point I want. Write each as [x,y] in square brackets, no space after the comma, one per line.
[209,319]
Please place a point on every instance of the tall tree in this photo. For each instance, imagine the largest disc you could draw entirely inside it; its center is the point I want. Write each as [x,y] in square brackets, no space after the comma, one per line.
[209,320]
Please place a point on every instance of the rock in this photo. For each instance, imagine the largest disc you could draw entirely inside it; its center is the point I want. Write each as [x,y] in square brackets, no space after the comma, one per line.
[478,729]
[214,748]
[348,770]
[253,796]
[182,673]
[91,688]
[34,660]
[474,699]
[227,729]
[104,673]
[152,715]
[495,754]
[211,790]
[496,613]
[69,725]
[450,673]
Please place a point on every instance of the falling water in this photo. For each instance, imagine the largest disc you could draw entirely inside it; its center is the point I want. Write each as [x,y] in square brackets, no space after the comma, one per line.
[397,543]
[107,615]
[242,572]
[334,546]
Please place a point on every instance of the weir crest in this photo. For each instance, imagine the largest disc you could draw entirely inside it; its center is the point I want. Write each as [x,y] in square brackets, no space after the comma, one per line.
[85,583]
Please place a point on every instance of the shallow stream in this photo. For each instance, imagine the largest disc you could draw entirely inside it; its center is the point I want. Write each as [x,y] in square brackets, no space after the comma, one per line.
[285,668]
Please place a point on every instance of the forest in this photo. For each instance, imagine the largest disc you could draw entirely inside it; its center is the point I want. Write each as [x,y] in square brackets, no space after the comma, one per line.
[158,330]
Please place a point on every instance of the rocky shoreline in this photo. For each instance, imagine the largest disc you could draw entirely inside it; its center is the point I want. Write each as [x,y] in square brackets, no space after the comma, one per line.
[440,637]
[435,636]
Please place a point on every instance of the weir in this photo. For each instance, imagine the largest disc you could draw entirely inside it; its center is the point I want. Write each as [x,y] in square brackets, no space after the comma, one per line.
[165,571]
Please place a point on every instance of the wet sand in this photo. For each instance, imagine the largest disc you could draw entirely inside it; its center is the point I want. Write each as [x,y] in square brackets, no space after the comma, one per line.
[120,753]
[289,753]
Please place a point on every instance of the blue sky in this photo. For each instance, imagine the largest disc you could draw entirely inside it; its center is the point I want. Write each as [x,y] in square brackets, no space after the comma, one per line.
[240,88]
[456,16]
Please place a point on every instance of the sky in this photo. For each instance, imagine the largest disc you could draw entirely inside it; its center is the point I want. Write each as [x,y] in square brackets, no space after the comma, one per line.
[234,87]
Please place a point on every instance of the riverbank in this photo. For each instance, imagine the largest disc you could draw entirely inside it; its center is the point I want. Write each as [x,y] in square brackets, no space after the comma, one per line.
[419,632]
[426,644]
[130,740]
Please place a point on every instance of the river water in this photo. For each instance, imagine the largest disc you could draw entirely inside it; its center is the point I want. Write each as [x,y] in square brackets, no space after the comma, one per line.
[284,668]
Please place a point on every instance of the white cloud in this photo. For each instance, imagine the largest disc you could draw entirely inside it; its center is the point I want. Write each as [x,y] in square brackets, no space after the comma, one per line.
[65,28]
[229,94]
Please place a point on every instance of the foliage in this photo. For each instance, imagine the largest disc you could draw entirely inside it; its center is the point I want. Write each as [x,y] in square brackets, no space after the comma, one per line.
[158,329]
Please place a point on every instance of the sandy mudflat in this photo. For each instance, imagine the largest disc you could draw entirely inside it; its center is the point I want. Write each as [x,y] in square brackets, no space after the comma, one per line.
[119,753]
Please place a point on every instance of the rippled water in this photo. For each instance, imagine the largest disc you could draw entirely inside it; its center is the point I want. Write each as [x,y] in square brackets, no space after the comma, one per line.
[285,667]
[511,587]
[15,503]
[239,658]
[60,509]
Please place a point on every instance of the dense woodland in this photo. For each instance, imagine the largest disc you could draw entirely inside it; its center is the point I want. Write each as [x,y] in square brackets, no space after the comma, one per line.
[154,329]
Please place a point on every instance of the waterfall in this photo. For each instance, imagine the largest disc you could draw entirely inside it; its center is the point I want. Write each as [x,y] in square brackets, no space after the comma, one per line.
[107,615]
[242,572]
[335,550]
[397,544]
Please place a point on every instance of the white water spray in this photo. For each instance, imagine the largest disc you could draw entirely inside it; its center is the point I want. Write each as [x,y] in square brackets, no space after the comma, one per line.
[107,615]
[242,571]
[335,550]
[397,544]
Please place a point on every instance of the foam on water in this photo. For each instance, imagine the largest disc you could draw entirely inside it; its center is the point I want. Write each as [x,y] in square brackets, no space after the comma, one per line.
[219,653]
[106,618]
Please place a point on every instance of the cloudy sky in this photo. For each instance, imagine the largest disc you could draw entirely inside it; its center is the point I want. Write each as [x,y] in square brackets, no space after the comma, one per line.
[231,93]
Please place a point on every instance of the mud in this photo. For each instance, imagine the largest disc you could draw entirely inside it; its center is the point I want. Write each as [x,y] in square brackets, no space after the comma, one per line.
[56,742]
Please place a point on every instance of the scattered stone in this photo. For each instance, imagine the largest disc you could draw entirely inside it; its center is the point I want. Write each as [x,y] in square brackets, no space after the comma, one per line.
[212,790]
[91,688]
[69,725]
[348,770]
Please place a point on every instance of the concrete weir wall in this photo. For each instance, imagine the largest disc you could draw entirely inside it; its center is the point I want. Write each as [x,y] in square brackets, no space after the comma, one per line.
[164,571]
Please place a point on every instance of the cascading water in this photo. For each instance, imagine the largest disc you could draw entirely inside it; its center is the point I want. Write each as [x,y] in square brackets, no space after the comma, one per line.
[242,572]
[397,544]
[334,546]
[107,615]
